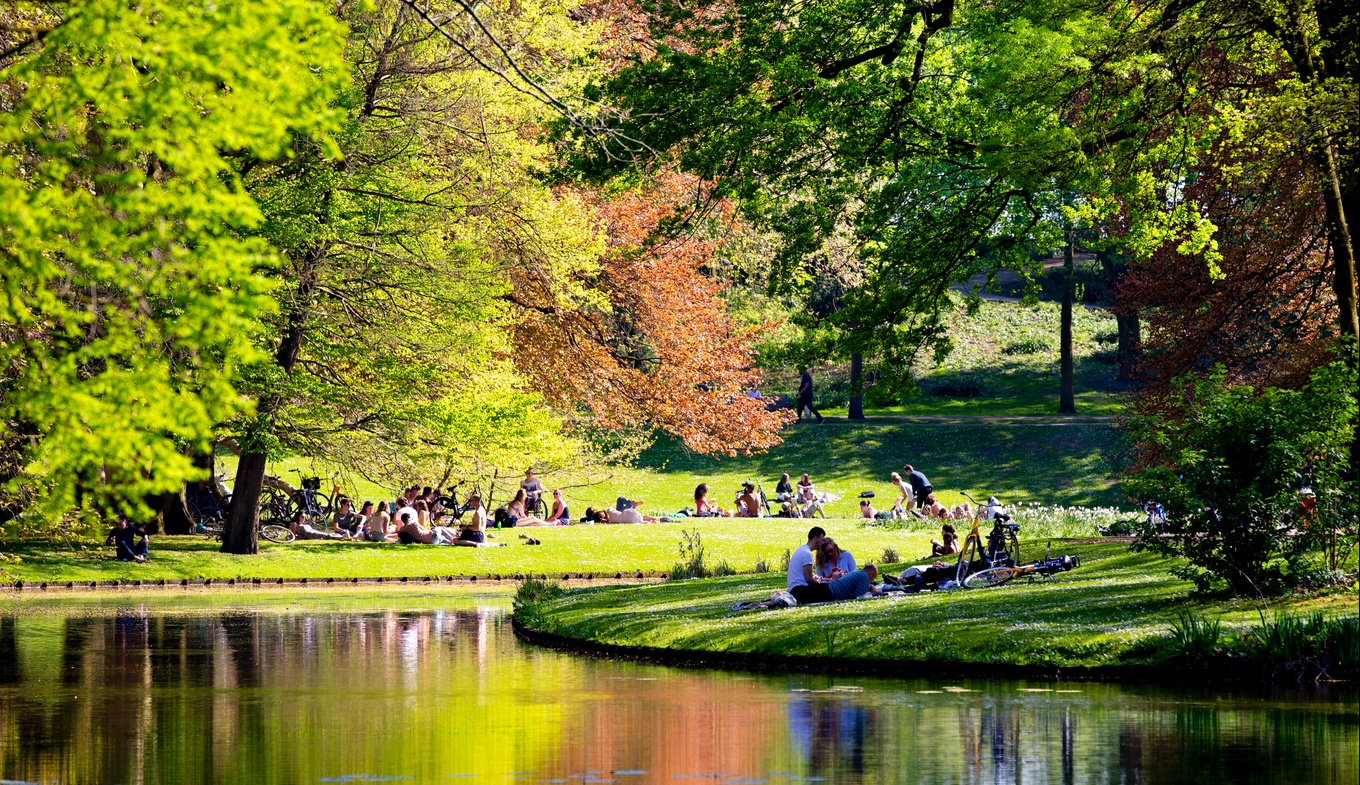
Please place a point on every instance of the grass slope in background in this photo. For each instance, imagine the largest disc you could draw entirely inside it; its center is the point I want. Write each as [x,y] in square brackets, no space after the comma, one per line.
[597,549]
[1039,463]
[1005,360]
[1116,609]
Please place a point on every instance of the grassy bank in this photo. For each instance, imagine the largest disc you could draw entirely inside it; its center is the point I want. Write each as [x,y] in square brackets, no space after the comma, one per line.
[597,549]
[1117,609]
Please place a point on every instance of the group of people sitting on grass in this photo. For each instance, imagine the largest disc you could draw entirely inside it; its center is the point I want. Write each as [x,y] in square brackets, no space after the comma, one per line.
[795,501]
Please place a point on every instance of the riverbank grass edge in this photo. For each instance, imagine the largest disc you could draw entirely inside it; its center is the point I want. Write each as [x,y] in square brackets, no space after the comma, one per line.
[1119,610]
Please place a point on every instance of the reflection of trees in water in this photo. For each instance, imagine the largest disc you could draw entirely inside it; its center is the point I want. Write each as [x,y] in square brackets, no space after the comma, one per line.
[290,697]
[835,735]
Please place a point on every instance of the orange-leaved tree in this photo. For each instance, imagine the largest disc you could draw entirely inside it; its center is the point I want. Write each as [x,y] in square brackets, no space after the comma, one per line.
[647,341]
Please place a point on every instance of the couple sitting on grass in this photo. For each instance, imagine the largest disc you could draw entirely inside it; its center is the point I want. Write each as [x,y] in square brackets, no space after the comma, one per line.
[821,572]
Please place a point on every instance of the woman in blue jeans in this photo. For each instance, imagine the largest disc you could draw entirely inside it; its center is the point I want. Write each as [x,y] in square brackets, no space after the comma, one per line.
[847,587]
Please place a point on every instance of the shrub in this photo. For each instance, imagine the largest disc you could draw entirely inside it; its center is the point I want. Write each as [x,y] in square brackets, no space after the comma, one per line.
[692,556]
[529,597]
[762,566]
[723,569]
[1196,638]
[1030,344]
[1104,357]
[1230,471]
[784,560]
[1307,646]
[968,384]
[1107,336]
[890,556]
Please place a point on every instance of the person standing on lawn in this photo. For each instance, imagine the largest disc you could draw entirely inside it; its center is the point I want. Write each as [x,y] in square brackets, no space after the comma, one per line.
[805,397]
[920,487]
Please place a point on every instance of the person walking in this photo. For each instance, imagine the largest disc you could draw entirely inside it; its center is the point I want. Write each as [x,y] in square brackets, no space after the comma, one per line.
[805,397]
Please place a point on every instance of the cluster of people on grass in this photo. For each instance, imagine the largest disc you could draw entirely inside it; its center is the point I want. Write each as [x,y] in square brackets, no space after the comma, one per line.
[821,571]
[795,501]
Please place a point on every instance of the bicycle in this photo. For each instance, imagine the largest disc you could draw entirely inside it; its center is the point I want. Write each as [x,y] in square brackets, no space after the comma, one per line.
[309,499]
[1045,568]
[1002,548]
[270,531]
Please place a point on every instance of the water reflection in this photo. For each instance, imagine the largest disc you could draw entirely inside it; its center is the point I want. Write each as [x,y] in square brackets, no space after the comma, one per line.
[442,692]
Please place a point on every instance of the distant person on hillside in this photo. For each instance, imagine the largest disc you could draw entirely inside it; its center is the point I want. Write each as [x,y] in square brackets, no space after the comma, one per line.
[748,503]
[125,542]
[920,486]
[949,542]
[805,398]
[783,490]
[703,508]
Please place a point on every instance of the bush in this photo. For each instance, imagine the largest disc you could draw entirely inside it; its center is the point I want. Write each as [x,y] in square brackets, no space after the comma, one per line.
[692,555]
[723,569]
[967,384]
[762,566]
[1195,638]
[529,597]
[1031,344]
[890,556]
[1229,474]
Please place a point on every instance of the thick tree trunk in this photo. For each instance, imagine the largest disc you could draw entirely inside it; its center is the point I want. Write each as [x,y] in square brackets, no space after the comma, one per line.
[242,532]
[1067,403]
[856,386]
[1129,351]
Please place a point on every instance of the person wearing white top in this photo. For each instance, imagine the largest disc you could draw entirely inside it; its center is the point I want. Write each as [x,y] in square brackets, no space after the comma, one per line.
[802,567]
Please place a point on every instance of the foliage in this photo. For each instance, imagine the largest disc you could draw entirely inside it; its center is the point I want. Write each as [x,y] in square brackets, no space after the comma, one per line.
[531,594]
[1196,638]
[1230,472]
[648,343]
[692,564]
[131,292]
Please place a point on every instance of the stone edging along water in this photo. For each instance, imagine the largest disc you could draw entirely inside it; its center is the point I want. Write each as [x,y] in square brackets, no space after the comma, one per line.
[851,666]
[37,588]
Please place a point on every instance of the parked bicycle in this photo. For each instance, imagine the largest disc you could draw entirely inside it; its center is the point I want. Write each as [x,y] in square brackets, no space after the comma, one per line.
[1002,547]
[1045,568]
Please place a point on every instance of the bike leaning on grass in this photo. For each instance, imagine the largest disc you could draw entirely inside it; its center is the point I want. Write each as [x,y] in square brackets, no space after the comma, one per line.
[1001,548]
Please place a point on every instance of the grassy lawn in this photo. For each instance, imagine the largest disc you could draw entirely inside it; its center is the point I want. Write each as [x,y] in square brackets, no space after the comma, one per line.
[1116,609]
[598,549]
[1004,362]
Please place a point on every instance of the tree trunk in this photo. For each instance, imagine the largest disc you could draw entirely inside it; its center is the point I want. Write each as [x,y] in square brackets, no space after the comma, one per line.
[242,532]
[1067,402]
[856,386]
[1130,347]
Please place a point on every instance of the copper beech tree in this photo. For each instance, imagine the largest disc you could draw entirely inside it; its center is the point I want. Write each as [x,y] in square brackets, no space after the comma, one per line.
[647,342]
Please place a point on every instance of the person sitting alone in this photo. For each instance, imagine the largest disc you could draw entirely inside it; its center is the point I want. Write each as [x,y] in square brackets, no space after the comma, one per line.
[125,542]
[832,562]
[703,508]
[748,503]
[303,529]
[949,544]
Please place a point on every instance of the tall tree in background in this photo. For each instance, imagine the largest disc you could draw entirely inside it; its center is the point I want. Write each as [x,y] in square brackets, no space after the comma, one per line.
[130,288]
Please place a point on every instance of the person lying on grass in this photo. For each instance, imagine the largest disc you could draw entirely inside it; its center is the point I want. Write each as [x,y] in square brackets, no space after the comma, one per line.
[303,529]
[630,515]
[832,562]
[926,576]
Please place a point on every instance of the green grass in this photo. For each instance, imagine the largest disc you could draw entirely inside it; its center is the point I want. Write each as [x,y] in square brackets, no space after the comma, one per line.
[1118,608]
[597,549]
[988,354]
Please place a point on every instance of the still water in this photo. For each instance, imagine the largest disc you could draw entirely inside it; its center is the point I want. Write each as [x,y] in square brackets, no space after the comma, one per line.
[428,688]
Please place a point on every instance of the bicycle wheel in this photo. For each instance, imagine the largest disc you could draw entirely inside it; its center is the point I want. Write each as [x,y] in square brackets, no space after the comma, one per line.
[322,502]
[969,553]
[277,533]
[195,514]
[986,579]
[1013,544]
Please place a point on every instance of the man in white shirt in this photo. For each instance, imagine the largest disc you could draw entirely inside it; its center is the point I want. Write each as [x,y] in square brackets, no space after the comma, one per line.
[803,582]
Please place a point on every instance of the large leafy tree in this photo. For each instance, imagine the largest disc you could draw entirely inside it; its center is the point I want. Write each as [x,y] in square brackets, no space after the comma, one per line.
[388,355]
[131,286]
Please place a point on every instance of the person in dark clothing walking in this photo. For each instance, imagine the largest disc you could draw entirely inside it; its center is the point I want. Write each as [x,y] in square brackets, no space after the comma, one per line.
[805,398]
[921,489]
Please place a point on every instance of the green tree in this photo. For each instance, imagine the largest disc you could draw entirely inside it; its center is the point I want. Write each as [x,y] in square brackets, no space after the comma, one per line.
[1229,474]
[131,289]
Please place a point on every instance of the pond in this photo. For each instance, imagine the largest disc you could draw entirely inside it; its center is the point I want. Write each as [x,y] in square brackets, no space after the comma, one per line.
[433,688]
